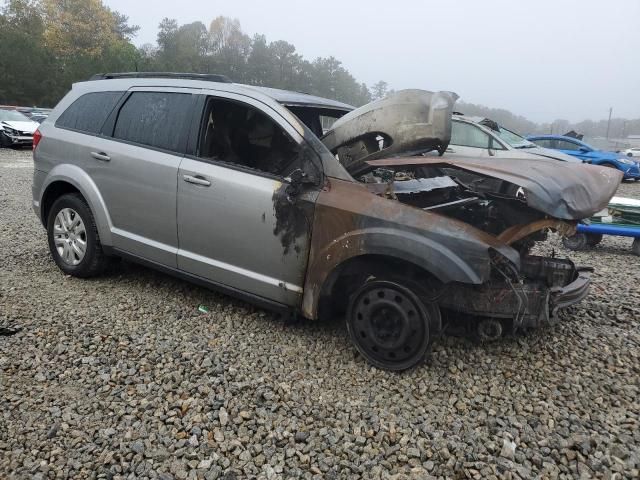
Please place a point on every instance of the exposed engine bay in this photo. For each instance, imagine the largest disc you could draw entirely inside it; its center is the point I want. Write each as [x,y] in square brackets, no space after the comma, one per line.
[527,295]
[396,148]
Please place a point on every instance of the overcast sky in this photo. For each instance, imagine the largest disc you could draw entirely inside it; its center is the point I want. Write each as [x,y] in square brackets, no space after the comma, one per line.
[543,59]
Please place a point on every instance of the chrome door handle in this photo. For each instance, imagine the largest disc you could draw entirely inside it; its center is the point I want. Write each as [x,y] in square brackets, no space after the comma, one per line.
[101,156]
[196,180]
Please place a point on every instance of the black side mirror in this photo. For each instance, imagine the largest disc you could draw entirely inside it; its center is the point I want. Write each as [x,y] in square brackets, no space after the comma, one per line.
[297,177]
[296,180]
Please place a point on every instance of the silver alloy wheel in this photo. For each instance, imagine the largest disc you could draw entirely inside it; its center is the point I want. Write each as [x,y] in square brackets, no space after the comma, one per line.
[69,236]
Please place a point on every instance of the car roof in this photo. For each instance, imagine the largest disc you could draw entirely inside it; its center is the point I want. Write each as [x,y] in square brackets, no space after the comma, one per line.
[283,97]
[290,98]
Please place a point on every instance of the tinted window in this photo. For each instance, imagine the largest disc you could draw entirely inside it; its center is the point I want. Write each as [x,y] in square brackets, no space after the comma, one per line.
[89,112]
[156,119]
[565,145]
[242,135]
[467,135]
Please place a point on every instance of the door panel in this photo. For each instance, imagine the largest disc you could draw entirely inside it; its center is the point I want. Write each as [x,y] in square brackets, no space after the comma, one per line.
[135,166]
[139,187]
[227,231]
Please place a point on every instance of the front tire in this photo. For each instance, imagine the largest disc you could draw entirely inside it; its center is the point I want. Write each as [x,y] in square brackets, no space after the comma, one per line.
[5,142]
[73,237]
[389,323]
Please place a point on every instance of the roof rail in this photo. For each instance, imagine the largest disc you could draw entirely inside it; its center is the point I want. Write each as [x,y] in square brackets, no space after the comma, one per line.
[208,77]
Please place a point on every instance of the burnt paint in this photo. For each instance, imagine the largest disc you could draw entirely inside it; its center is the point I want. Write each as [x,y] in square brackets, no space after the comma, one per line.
[350,221]
[292,217]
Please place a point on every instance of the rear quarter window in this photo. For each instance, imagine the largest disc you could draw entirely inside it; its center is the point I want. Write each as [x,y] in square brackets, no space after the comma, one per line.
[89,112]
[156,119]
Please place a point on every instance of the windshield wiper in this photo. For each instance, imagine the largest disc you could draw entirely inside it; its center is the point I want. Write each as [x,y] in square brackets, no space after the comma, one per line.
[526,146]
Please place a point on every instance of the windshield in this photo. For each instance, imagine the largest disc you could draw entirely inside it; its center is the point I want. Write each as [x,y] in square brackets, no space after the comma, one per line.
[513,139]
[12,116]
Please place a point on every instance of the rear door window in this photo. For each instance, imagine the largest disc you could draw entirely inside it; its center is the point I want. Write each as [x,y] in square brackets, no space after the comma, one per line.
[155,119]
[89,112]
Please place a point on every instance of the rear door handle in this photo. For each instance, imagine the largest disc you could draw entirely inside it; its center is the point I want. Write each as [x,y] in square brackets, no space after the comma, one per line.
[101,156]
[196,180]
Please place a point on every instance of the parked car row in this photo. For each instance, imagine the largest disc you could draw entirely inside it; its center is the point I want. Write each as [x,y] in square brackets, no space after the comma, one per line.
[37,114]
[17,124]
[16,129]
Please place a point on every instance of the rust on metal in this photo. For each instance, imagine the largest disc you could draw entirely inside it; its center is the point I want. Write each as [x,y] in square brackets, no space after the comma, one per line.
[520,231]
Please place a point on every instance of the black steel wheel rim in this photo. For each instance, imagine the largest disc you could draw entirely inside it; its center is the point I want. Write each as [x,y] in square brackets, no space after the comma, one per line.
[388,324]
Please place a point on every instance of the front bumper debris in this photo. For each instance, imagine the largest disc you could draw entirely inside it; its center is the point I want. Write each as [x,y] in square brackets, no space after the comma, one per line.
[548,286]
[575,292]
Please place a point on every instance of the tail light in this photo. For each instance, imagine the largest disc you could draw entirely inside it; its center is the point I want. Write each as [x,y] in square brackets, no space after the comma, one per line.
[37,136]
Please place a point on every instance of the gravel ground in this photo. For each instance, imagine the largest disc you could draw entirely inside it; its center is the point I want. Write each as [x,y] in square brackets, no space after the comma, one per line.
[122,377]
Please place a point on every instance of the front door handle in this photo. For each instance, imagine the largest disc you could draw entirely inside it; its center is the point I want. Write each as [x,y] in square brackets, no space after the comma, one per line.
[101,156]
[196,180]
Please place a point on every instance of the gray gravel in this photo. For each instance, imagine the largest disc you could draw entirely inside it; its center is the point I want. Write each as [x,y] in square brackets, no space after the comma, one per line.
[122,377]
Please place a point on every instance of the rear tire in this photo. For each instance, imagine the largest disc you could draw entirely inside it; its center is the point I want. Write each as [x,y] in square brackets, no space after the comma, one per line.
[4,141]
[389,323]
[73,237]
[635,246]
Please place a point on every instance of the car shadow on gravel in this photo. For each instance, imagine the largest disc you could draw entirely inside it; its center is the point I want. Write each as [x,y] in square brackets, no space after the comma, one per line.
[331,328]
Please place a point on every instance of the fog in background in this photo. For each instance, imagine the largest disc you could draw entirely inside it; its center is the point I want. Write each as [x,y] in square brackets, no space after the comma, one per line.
[544,60]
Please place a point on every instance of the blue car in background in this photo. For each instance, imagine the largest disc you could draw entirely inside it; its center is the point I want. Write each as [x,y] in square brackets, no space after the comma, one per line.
[572,146]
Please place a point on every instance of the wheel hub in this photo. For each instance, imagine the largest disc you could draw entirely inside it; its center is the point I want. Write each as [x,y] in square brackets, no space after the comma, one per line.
[387,323]
[69,236]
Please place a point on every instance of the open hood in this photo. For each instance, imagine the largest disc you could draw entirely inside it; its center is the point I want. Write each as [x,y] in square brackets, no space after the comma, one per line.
[558,189]
[407,122]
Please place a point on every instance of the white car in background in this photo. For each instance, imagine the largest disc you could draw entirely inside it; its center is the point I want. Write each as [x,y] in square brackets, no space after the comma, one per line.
[632,152]
[16,129]
[482,137]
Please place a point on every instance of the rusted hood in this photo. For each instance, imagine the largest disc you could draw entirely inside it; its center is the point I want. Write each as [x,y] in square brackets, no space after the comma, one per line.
[561,190]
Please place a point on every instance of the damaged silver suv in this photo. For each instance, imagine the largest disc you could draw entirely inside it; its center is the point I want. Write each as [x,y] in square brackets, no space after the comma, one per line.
[302,204]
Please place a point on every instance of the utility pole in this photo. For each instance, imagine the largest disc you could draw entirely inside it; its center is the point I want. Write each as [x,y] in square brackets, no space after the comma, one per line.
[609,122]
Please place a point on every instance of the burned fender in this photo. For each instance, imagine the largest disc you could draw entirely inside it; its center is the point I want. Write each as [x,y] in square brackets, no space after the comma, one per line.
[349,222]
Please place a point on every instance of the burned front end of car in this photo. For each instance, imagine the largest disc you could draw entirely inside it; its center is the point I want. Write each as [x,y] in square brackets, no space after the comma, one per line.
[506,204]
[517,298]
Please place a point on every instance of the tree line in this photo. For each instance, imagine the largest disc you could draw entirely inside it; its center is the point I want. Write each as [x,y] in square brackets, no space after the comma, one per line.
[619,128]
[46,45]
